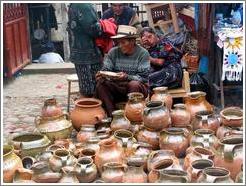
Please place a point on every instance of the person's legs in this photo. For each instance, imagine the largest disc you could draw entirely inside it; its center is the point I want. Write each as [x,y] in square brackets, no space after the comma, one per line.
[136,86]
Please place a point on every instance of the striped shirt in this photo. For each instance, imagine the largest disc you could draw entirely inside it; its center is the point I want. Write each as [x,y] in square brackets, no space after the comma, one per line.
[136,66]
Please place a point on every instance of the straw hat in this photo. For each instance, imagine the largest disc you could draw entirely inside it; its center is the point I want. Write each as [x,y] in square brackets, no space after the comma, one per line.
[125,31]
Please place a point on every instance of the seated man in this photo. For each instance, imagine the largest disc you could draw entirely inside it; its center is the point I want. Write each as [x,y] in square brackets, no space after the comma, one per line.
[131,62]
[165,59]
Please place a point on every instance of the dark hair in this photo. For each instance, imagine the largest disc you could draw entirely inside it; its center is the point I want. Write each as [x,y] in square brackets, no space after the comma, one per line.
[147,29]
[49,47]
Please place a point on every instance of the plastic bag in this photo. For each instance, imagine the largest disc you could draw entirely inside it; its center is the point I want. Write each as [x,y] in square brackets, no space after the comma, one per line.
[198,83]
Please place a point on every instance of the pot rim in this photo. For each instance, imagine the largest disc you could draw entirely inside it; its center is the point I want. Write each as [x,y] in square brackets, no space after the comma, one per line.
[208,152]
[235,110]
[135,94]
[221,169]
[202,113]
[173,130]
[210,162]
[158,103]
[85,158]
[50,100]
[162,88]
[93,100]
[159,163]
[206,131]
[238,137]
[119,131]
[196,94]
[179,105]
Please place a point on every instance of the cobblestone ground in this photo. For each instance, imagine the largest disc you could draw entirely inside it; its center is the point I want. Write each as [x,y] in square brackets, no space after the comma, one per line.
[23,99]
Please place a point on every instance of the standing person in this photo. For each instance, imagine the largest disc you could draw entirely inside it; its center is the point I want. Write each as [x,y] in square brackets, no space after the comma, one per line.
[131,63]
[83,28]
[123,15]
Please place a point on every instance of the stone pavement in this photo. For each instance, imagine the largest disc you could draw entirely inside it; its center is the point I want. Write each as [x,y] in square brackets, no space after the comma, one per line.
[24,97]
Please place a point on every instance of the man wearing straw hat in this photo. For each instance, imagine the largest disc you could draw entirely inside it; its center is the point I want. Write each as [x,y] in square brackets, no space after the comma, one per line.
[131,64]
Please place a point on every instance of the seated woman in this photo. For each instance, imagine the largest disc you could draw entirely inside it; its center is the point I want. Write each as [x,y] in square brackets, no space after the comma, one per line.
[166,69]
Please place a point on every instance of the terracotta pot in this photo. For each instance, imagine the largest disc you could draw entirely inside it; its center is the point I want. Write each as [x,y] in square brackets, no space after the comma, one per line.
[134,107]
[195,102]
[67,143]
[173,176]
[93,143]
[86,170]
[230,154]
[215,175]
[196,168]
[239,177]
[56,127]
[113,172]
[159,155]
[86,131]
[23,175]
[87,111]
[61,158]
[119,121]
[175,139]
[204,138]
[109,152]
[205,120]
[232,117]
[161,94]
[156,116]
[11,162]
[159,167]
[228,131]
[195,154]
[30,144]
[68,175]
[51,108]
[28,161]
[149,136]
[42,173]
[180,116]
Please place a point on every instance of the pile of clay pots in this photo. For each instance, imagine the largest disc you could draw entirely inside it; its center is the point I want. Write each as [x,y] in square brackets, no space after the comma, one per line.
[145,141]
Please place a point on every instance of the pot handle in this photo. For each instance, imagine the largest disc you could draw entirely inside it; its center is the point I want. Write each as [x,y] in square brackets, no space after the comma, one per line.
[37,120]
[124,142]
[205,142]
[204,120]
[97,117]
[146,110]
[228,152]
[211,179]
[83,168]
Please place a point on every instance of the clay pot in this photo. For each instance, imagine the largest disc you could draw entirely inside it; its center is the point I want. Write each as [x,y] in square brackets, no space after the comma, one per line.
[228,131]
[23,175]
[156,116]
[180,116]
[134,107]
[173,176]
[230,154]
[134,172]
[45,155]
[91,153]
[175,139]
[86,131]
[215,175]
[93,143]
[61,158]
[28,161]
[159,167]
[239,177]
[54,147]
[195,154]
[11,162]
[67,143]
[204,138]
[205,120]
[87,111]
[86,170]
[56,127]
[149,136]
[195,102]
[161,94]
[42,173]
[68,175]
[109,152]
[232,117]
[119,121]
[113,172]
[79,147]
[159,155]
[196,168]
[51,108]
[143,150]
[30,144]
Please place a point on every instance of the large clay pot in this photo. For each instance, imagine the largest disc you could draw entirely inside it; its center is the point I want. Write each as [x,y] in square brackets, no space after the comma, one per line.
[195,102]
[68,175]
[51,108]
[196,168]
[86,131]
[228,131]
[232,117]
[11,162]
[87,111]
[113,172]
[149,136]
[161,94]
[134,107]
[156,116]
[109,152]
[215,175]
[86,170]
[30,144]
[119,121]
[56,127]
[173,176]
[230,154]
[180,116]
[205,120]
[176,139]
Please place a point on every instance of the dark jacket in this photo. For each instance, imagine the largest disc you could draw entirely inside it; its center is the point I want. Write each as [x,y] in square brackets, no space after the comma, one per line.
[83,28]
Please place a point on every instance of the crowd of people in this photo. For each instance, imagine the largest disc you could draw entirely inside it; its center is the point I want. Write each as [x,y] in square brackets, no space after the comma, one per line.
[140,68]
